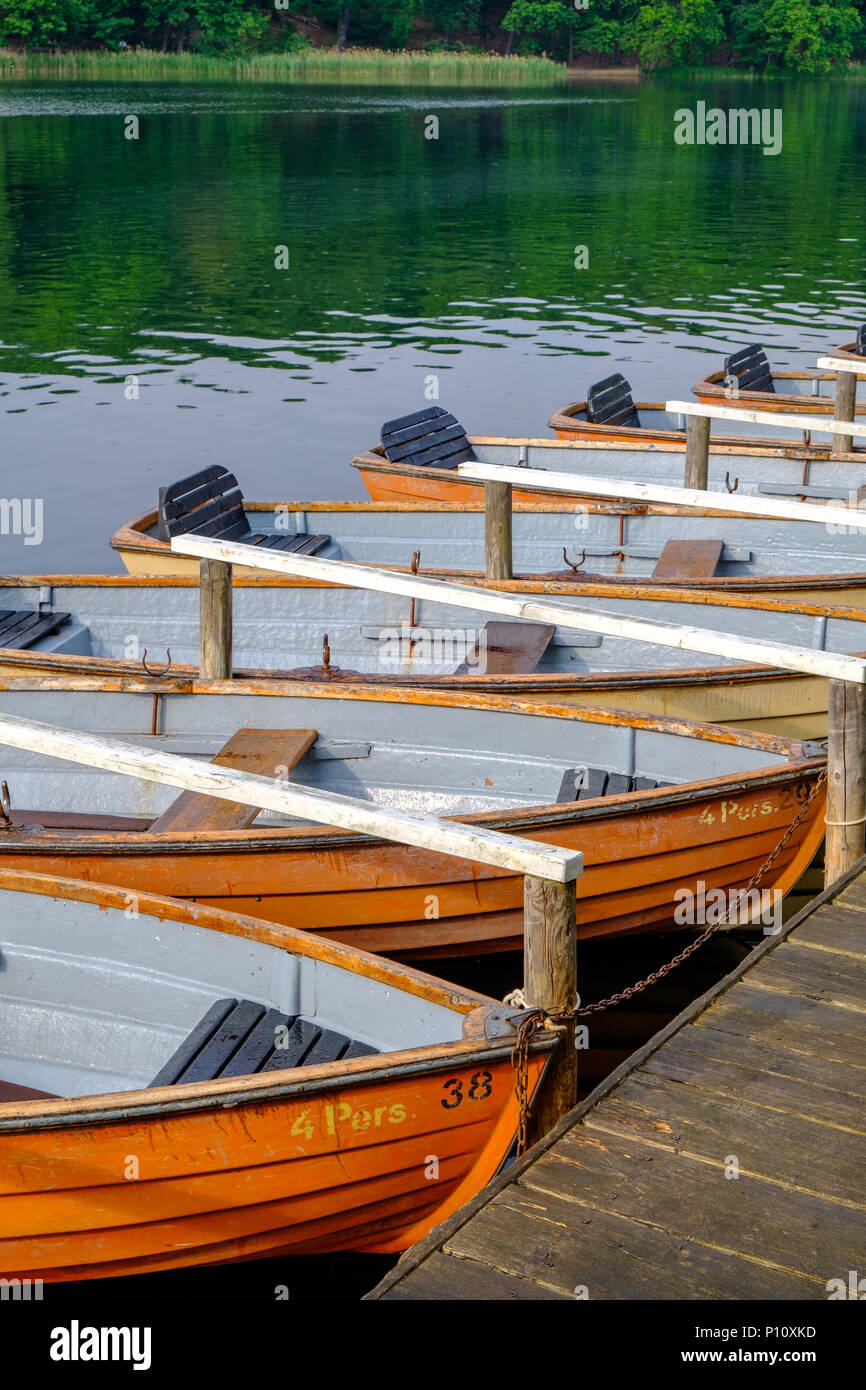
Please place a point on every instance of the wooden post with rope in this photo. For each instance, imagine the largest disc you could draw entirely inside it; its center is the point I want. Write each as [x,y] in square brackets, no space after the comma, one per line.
[846,779]
[550,984]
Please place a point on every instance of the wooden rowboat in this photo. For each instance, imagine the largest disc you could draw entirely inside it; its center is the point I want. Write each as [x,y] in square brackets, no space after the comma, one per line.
[184,1086]
[748,377]
[107,625]
[609,414]
[614,542]
[653,804]
[787,471]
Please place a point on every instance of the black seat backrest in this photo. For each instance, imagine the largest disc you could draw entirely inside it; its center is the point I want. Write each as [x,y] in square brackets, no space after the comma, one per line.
[751,368]
[861,340]
[609,402]
[210,503]
[430,438]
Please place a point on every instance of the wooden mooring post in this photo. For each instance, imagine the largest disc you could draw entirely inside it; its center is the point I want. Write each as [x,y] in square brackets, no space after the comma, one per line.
[215,620]
[497,531]
[697,452]
[845,407]
[550,983]
[846,779]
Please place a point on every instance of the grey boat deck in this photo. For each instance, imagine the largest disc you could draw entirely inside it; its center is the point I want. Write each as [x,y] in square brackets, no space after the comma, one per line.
[632,1195]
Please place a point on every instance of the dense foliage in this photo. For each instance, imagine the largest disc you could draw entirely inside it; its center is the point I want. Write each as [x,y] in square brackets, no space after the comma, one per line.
[798,35]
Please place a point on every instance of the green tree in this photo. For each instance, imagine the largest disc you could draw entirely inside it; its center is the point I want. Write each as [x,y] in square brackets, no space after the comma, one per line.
[666,33]
[804,35]
[448,15]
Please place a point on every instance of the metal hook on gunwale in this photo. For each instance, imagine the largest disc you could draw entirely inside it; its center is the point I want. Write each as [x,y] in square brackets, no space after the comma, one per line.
[165,670]
[5,807]
[574,565]
[728,482]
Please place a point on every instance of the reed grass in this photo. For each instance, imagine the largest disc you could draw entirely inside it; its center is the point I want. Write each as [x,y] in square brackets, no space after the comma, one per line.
[358,65]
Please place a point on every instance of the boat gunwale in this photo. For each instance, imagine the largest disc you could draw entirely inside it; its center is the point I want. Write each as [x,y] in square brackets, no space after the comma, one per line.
[774,402]
[633,435]
[772,744]
[282,839]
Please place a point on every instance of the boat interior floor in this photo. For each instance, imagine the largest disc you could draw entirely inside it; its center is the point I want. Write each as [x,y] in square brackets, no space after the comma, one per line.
[237,1037]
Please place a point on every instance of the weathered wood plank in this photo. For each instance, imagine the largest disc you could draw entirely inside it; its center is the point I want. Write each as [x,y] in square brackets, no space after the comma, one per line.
[784,1148]
[261,751]
[445,1276]
[728,1066]
[564,1245]
[814,974]
[840,929]
[804,1025]
[688,560]
[742,1217]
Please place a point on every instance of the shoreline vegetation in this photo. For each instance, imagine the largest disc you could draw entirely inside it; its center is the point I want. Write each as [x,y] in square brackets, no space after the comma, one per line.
[352,65]
[306,65]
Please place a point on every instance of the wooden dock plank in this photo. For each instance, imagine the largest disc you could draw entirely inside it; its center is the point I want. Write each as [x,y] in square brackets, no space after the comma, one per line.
[540,1236]
[634,1194]
[783,1146]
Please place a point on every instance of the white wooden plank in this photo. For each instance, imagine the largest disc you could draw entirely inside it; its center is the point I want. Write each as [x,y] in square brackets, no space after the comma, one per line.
[818,424]
[693,639]
[325,808]
[741,504]
[843,364]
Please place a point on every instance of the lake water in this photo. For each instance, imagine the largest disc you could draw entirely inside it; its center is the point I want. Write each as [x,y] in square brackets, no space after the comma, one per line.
[409,258]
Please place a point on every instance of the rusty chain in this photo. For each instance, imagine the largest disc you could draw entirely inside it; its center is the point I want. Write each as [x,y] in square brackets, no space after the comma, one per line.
[535,1019]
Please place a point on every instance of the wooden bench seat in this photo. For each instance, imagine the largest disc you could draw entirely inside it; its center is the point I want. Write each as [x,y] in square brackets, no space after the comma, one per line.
[210,503]
[237,1037]
[20,627]
[260,751]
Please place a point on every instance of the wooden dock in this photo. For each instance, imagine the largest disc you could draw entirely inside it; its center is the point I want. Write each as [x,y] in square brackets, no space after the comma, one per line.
[724,1160]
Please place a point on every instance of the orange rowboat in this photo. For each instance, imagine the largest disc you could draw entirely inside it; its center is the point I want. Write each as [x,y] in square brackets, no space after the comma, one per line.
[748,378]
[184,1086]
[654,804]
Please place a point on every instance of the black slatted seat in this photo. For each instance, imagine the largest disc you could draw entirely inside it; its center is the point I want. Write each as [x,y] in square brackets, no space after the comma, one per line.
[610,402]
[861,340]
[750,367]
[20,628]
[430,438]
[597,782]
[237,1037]
[210,503]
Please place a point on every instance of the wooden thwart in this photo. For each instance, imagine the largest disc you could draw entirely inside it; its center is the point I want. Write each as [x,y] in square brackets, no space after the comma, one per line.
[688,560]
[262,751]
[511,648]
